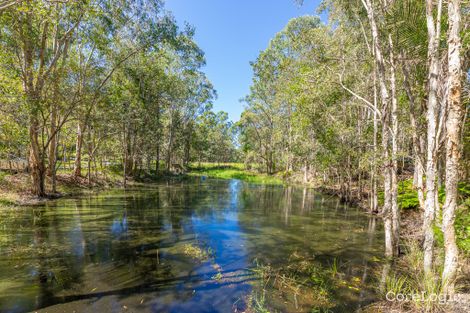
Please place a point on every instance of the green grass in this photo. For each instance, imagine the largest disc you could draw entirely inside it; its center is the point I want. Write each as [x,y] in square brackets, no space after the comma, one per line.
[233,171]
[408,278]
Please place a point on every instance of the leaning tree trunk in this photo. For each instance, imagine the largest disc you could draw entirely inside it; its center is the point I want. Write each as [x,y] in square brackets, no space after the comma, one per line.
[454,126]
[431,149]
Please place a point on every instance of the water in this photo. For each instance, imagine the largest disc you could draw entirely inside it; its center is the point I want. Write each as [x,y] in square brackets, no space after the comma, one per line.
[131,251]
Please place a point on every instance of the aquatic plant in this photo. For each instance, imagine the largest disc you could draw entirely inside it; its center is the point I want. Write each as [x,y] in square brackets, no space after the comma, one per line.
[217,276]
[302,281]
[257,302]
[196,252]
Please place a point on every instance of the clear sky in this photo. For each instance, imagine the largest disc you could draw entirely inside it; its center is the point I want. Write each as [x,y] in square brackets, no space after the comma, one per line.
[232,33]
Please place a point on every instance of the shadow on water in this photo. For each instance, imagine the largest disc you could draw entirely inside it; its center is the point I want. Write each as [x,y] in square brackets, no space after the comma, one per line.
[129,249]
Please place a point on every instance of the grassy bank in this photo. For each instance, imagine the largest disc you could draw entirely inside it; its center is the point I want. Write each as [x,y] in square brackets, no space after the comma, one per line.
[233,171]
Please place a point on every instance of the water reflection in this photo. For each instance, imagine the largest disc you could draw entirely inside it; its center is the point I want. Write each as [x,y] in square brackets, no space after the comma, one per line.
[124,248]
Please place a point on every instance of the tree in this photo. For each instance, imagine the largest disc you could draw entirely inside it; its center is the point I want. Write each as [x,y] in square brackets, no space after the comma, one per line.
[433,109]
[39,33]
[453,145]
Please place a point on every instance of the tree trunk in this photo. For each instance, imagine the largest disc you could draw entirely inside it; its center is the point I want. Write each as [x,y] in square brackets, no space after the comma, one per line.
[418,140]
[170,145]
[33,93]
[431,149]
[157,162]
[187,147]
[384,96]
[90,156]
[124,161]
[306,172]
[77,168]
[453,125]
[394,167]
[51,169]
[374,196]
[158,134]
[36,159]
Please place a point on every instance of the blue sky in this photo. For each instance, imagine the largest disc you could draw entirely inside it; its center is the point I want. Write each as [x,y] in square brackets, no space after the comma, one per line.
[232,33]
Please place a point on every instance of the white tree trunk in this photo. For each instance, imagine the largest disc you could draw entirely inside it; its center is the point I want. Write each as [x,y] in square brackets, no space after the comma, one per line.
[418,140]
[394,167]
[453,125]
[431,115]
[385,99]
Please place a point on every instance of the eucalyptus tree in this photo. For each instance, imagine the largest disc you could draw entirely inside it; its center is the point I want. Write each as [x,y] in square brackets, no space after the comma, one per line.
[410,46]
[453,144]
[270,109]
[39,34]
[413,64]
[389,121]
[199,96]
[121,31]
[432,116]
[104,70]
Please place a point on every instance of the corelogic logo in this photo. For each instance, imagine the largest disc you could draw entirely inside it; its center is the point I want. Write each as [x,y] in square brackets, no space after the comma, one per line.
[419,297]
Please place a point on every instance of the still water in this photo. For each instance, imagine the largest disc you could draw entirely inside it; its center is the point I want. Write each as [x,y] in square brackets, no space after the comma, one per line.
[191,246]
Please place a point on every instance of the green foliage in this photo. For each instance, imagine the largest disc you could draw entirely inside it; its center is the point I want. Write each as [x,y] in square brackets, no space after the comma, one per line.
[214,138]
[407,195]
[438,234]
[234,171]
[407,277]
[462,227]
[123,73]
[406,19]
